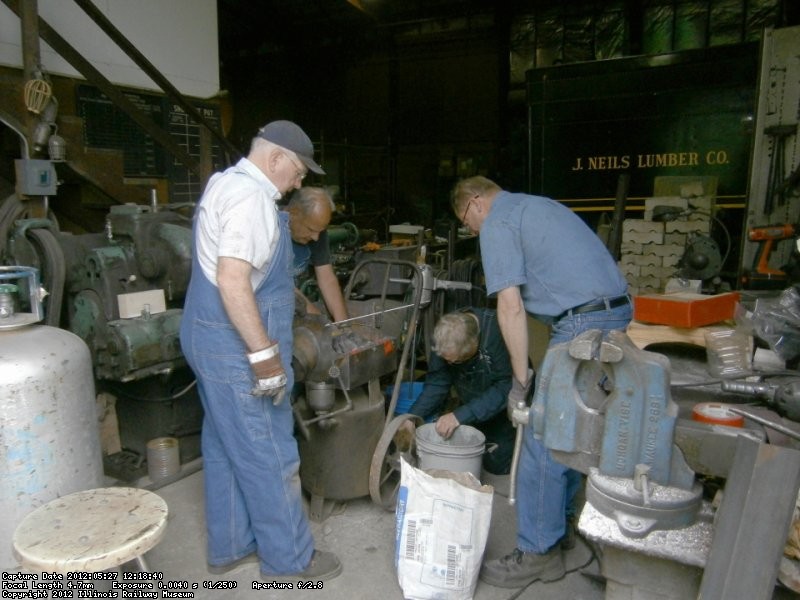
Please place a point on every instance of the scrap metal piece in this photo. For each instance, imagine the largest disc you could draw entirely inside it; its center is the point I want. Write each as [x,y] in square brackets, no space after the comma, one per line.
[752,522]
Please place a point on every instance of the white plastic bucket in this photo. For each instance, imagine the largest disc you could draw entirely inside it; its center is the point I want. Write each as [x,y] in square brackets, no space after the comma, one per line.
[462,452]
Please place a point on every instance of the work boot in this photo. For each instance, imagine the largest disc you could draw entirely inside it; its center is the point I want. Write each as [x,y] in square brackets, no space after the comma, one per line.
[568,540]
[519,568]
[323,566]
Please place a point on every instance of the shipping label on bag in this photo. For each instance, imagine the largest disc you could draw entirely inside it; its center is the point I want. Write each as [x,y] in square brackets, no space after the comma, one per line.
[442,524]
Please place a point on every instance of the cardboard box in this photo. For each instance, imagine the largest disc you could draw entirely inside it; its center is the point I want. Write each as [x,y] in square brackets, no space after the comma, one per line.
[134,304]
[685,309]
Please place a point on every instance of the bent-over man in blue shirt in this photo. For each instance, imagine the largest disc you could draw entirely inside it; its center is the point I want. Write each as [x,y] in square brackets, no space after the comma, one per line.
[539,259]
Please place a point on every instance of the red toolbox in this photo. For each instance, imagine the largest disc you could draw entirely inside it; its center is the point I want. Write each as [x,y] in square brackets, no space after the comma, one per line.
[685,309]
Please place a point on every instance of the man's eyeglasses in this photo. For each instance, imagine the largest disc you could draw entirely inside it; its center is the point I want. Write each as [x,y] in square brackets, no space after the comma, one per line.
[466,210]
[301,171]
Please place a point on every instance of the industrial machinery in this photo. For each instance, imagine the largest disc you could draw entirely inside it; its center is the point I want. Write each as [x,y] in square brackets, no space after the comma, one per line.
[346,429]
[143,249]
[701,259]
[341,410]
[121,291]
[604,407]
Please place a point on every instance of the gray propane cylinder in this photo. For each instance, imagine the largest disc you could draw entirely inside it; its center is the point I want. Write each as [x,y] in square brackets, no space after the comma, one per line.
[49,430]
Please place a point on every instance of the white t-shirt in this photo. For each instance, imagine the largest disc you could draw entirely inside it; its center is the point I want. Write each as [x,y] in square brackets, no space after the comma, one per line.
[238,218]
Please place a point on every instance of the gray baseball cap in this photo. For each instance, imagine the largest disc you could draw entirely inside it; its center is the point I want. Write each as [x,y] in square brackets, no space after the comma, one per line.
[290,136]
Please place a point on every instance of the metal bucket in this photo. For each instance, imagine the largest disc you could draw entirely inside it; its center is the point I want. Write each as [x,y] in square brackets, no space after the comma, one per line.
[462,452]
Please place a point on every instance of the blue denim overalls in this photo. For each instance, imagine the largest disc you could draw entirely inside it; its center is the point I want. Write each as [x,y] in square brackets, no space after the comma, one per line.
[250,457]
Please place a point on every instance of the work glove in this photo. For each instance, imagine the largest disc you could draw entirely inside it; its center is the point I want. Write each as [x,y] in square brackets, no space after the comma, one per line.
[405,436]
[270,376]
[517,403]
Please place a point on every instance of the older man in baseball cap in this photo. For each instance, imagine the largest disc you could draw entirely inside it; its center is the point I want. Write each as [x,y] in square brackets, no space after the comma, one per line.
[236,334]
[289,136]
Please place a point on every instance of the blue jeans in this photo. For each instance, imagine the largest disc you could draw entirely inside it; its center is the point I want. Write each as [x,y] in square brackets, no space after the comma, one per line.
[546,488]
[250,460]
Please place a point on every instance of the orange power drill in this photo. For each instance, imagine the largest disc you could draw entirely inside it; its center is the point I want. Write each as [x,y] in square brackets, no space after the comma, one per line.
[767,236]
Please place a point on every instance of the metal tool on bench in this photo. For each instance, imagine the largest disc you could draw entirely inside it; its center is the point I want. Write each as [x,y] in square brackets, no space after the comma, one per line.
[767,236]
[604,407]
[780,393]
[622,437]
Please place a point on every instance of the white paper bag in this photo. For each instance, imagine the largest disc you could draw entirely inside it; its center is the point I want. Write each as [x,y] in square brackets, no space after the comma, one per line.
[443,522]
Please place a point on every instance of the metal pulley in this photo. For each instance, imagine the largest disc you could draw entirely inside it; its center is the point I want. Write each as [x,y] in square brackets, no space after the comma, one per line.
[701,260]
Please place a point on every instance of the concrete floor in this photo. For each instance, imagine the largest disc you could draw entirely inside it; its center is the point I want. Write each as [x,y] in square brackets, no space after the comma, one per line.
[362,535]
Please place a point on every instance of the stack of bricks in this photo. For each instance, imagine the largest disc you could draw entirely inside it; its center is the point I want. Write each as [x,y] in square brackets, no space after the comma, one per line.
[651,250]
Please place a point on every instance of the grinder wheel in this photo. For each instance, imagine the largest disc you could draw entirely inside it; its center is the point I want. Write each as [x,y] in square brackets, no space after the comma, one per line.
[384,471]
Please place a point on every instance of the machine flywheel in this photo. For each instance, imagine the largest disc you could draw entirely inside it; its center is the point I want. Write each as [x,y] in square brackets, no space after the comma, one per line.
[384,472]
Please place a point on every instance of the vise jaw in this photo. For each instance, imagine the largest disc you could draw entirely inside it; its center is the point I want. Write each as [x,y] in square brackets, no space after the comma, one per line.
[603,407]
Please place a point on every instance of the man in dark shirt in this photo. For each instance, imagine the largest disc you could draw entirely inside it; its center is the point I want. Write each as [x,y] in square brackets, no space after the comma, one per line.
[470,356]
[310,210]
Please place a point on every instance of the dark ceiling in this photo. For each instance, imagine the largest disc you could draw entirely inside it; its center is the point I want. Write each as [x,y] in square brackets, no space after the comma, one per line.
[249,27]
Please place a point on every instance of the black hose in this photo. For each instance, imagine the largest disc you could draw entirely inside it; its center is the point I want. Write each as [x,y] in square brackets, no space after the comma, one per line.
[54,272]
[11,210]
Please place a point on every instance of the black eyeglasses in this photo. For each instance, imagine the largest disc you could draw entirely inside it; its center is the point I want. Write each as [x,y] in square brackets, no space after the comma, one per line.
[466,210]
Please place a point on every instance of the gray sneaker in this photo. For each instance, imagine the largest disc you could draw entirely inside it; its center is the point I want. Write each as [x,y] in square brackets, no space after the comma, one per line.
[323,566]
[519,568]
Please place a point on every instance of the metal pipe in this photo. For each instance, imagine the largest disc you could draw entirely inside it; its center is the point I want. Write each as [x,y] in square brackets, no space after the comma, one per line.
[512,486]
[766,423]
[372,314]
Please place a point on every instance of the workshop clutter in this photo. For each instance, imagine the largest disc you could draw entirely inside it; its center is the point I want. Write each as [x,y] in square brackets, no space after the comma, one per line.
[729,353]
[776,321]
[789,570]
[678,216]
[442,527]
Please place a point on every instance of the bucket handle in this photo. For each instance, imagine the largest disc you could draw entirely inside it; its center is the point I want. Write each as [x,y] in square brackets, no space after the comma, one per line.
[491,447]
